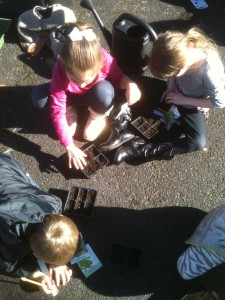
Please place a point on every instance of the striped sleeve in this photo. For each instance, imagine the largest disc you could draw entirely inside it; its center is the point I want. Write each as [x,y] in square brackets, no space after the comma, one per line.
[196,260]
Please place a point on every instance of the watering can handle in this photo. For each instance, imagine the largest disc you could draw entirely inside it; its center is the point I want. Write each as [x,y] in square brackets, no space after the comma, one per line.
[139,22]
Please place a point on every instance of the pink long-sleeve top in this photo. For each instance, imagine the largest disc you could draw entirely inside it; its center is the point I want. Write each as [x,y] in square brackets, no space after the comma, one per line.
[60,85]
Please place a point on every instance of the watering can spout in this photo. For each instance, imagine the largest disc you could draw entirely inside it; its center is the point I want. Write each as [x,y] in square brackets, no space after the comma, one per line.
[107,35]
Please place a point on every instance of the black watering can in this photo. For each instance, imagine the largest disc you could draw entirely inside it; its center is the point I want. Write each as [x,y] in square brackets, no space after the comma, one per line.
[129,41]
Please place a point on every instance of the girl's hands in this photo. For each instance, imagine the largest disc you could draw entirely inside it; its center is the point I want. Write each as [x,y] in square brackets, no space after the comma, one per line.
[47,285]
[173,97]
[165,94]
[60,274]
[76,157]
[133,94]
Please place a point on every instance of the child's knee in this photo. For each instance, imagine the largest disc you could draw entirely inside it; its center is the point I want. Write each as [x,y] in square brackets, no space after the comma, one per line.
[103,92]
[39,96]
[200,143]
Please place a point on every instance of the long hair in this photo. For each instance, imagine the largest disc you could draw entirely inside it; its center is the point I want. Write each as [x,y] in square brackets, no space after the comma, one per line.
[170,50]
[56,240]
[81,55]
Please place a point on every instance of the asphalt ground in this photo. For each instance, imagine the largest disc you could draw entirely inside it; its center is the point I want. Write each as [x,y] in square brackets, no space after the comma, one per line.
[153,206]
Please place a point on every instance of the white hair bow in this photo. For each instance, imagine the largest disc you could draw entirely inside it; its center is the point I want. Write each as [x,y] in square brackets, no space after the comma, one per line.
[78,35]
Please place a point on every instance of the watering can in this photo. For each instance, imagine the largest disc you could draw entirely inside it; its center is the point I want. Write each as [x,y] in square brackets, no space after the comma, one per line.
[129,41]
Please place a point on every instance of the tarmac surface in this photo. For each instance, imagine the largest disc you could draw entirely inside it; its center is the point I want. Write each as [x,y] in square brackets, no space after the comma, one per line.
[153,206]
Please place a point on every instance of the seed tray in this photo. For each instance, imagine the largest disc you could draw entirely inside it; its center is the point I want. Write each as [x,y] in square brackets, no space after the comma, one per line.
[80,202]
[148,127]
[128,257]
[95,160]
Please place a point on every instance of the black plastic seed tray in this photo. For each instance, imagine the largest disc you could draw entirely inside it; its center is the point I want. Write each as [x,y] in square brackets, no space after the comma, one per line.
[128,257]
[148,127]
[95,160]
[80,202]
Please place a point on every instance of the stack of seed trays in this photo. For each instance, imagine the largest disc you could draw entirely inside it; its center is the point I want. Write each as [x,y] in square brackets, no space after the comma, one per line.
[95,160]
[148,127]
[80,202]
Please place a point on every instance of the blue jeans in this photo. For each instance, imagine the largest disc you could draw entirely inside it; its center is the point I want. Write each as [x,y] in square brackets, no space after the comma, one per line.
[100,97]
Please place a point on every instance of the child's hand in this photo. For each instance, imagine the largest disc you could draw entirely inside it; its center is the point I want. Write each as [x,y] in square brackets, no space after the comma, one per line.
[48,286]
[175,97]
[60,274]
[133,94]
[163,98]
[76,157]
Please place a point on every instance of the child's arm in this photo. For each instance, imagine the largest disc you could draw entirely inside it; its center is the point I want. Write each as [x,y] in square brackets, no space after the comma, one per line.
[170,88]
[60,274]
[197,260]
[119,79]
[76,157]
[179,99]
[47,285]
[133,94]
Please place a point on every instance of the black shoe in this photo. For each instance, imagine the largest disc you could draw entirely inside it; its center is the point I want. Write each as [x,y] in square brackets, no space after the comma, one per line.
[129,151]
[138,149]
[116,139]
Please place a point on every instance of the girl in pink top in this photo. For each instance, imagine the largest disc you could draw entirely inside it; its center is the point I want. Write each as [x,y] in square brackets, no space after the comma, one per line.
[89,73]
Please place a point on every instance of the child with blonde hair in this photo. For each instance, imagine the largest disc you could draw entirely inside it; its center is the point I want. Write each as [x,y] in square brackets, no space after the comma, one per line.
[195,83]
[85,75]
[32,228]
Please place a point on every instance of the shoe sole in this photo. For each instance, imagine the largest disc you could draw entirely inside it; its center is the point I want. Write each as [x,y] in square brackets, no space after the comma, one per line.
[108,148]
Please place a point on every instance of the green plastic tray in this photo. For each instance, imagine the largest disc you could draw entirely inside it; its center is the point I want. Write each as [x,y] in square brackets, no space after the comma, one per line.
[4,25]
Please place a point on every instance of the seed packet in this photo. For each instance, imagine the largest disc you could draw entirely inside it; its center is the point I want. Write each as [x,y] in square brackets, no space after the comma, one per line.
[90,264]
[171,116]
[86,259]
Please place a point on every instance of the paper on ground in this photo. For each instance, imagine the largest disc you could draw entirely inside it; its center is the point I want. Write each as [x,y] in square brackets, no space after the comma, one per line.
[199,4]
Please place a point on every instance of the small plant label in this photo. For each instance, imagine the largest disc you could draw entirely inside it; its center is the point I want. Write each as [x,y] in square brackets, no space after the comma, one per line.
[90,264]
[199,4]
[86,259]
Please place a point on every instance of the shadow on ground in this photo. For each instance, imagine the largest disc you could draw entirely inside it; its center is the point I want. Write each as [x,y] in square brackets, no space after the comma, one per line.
[211,20]
[159,234]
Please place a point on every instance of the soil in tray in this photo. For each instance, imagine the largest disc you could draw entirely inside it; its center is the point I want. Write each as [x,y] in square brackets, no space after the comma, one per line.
[144,127]
[138,122]
[91,168]
[91,153]
[125,256]
[73,193]
[79,206]
[101,160]
[91,196]
[82,195]
[150,133]
[70,206]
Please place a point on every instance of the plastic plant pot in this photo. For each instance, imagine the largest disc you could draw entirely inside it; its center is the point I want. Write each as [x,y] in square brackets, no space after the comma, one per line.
[148,127]
[80,202]
[125,256]
[95,160]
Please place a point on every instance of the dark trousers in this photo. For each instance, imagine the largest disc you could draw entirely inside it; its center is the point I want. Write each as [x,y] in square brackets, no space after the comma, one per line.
[192,128]
[100,97]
